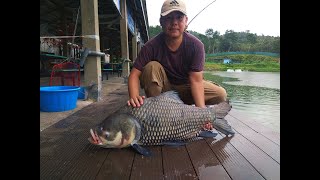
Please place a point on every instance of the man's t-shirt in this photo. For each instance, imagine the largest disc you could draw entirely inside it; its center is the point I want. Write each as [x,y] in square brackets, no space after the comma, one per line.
[188,57]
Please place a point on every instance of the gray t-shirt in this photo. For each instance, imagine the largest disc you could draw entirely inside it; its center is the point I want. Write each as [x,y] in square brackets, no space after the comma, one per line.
[188,57]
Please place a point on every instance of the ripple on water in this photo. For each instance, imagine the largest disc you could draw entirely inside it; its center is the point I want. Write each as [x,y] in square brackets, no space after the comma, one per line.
[256,94]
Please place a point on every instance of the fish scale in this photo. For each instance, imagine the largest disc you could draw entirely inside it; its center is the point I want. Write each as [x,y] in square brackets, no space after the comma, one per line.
[169,119]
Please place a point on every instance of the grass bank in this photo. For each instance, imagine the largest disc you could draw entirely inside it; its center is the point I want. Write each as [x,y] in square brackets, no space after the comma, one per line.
[257,63]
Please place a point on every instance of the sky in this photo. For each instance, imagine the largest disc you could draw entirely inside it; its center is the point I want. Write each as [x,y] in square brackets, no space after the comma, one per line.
[261,17]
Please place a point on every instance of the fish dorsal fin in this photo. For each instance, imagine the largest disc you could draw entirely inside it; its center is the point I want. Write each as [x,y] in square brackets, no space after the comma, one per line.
[173,95]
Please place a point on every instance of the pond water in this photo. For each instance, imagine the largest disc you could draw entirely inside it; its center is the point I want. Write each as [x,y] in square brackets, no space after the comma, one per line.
[256,94]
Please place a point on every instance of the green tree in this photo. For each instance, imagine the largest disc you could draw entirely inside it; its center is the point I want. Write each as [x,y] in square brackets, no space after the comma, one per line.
[251,39]
[203,39]
[153,31]
[213,37]
[228,41]
[231,41]
[276,45]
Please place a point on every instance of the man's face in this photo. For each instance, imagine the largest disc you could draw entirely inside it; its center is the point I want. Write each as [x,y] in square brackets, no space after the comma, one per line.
[174,24]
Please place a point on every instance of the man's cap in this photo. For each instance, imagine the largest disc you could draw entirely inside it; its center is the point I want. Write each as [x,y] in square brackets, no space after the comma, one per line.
[173,5]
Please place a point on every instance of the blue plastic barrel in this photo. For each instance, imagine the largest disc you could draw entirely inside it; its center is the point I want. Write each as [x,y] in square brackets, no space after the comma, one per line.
[58,98]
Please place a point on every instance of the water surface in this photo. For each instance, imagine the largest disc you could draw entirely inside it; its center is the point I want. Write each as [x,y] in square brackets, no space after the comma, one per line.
[256,94]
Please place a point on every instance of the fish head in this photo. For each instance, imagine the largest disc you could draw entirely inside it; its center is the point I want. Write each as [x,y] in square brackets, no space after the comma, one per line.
[116,131]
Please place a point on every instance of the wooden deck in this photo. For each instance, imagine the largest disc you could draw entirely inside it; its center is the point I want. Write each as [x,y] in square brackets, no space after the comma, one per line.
[65,153]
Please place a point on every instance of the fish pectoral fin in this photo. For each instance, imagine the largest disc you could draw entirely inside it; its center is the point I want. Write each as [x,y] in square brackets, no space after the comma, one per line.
[207,134]
[174,143]
[142,150]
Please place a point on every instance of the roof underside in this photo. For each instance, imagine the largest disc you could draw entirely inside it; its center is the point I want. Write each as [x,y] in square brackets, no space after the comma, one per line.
[61,18]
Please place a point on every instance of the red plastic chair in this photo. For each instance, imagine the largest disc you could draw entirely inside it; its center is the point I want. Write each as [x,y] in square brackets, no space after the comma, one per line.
[65,74]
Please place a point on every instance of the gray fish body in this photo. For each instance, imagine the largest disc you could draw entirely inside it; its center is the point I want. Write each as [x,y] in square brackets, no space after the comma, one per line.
[166,118]
[161,120]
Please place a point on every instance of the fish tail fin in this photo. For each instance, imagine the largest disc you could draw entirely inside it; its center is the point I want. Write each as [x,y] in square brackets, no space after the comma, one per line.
[223,126]
[221,109]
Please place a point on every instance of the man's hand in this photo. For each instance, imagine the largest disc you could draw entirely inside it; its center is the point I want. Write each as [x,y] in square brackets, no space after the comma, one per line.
[133,87]
[136,101]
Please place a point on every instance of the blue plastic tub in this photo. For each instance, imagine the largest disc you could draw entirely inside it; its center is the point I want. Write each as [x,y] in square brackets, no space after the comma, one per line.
[58,98]
[82,93]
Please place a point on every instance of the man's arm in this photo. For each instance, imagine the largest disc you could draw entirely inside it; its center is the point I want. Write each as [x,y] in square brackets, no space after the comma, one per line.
[133,88]
[197,89]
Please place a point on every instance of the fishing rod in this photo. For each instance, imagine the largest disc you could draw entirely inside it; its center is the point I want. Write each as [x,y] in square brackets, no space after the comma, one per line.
[200,12]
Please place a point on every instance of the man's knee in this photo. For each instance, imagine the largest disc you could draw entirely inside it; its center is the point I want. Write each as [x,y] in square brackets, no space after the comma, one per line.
[152,65]
[153,89]
[154,77]
[220,95]
[148,72]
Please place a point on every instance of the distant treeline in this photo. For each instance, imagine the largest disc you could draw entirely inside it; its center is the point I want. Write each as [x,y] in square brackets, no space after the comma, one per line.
[231,41]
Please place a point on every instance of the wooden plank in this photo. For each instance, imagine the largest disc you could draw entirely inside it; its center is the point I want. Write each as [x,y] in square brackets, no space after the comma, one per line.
[235,164]
[59,154]
[148,167]
[64,145]
[88,164]
[256,126]
[117,164]
[267,167]
[265,144]
[205,162]
[53,169]
[177,164]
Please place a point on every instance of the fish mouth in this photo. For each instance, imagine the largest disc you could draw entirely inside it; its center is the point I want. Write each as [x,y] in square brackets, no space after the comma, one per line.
[94,138]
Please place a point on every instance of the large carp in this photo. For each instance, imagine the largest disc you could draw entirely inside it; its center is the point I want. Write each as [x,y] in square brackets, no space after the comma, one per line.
[161,120]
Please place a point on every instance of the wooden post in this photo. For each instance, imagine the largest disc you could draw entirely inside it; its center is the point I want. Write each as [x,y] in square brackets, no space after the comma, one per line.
[92,65]
[139,47]
[64,29]
[124,41]
[134,44]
